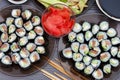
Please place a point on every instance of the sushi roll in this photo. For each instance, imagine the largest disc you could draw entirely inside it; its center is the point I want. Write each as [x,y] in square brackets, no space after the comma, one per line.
[26,14]
[86,26]
[88,70]
[15,58]
[1,55]
[95,52]
[39,40]
[6,60]
[95,29]
[79,65]
[19,22]
[93,43]
[118,54]
[80,38]
[31,47]
[114,51]
[101,36]
[24,53]
[39,30]
[31,35]
[40,50]
[84,49]
[77,57]
[88,35]
[104,25]
[72,36]
[9,21]
[34,57]
[115,41]
[23,41]
[20,32]
[106,45]
[77,27]
[75,46]
[87,60]
[11,29]
[4,47]
[35,20]
[14,47]
[105,56]
[24,63]
[4,37]
[3,28]
[28,25]
[98,74]
[67,53]
[111,32]
[95,63]
[107,69]
[16,13]
[114,62]
[12,38]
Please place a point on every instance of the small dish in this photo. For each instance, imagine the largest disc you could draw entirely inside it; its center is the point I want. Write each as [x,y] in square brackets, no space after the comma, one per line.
[17,1]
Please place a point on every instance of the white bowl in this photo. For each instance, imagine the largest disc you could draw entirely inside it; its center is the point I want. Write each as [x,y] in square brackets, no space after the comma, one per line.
[17,2]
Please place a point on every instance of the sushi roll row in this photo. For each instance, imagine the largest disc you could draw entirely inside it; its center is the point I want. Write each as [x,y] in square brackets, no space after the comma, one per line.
[93,48]
[22,39]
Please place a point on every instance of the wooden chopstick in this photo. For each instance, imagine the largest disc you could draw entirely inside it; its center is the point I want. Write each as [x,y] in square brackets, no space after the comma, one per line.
[60,76]
[48,76]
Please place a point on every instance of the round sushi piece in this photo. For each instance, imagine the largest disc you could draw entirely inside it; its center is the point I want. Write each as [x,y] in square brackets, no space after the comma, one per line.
[107,69]
[26,14]
[75,46]
[95,63]
[1,55]
[101,36]
[72,36]
[39,40]
[31,47]
[88,70]
[80,38]
[34,57]
[35,20]
[4,37]
[114,51]
[118,54]
[95,52]
[11,28]
[106,45]
[23,41]
[77,27]
[67,53]
[98,74]
[9,21]
[84,49]
[39,30]
[14,47]
[105,56]
[104,25]
[86,26]
[16,13]
[15,57]
[24,53]
[12,38]
[88,35]
[3,28]
[28,25]
[87,60]
[20,32]
[19,22]
[115,41]
[4,47]
[40,50]
[6,60]
[114,62]
[77,57]
[24,63]
[111,32]
[93,43]
[95,29]
[79,65]
[31,35]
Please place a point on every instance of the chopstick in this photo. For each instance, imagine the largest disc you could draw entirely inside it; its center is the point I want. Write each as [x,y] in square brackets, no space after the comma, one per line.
[60,76]
[48,76]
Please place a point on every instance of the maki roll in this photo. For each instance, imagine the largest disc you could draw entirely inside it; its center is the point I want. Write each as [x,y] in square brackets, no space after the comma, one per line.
[14,47]
[95,29]
[93,43]
[88,70]
[4,47]
[107,69]
[79,65]
[28,25]
[80,38]
[31,47]
[77,57]
[12,38]
[114,62]
[23,41]
[72,36]
[106,45]
[16,13]
[77,27]
[95,52]
[88,35]
[35,20]
[39,30]
[3,28]
[95,63]
[115,41]
[19,22]
[24,53]
[84,49]
[31,35]
[34,57]
[86,26]
[20,32]
[87,60]
[75,46]
[39,40]
[6,60]
[105,56]
[97,74]
[67,53]
[1,55]
[101,36]
[9,21]
[114,51]
[26,14]
[104,25]
[4,37]
[40,50]
[11,28]
[111,32]
[15,57]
